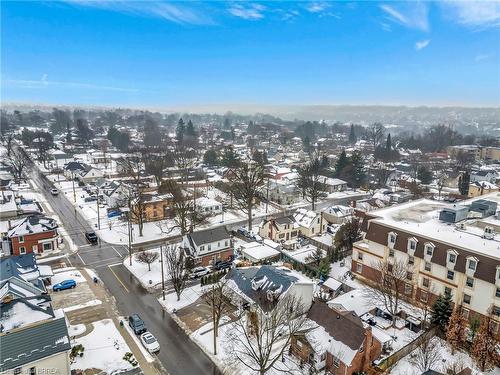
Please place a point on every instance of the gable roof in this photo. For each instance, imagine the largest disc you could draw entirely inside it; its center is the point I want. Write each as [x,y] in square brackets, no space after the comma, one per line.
[23,267]
[33,224]
[33,343]
[209,235]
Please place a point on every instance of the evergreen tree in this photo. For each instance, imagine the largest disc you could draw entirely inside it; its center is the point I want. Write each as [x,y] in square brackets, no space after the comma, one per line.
[455,330]
[484,345]
[230,158]
[357,176]
[251,129]
[441,311]
[306,143]
[341,164]
[152,133]
[210,157]
[424,175]
[388,144]
[69,136]
[190,130]
[463,183]
[180,130]
[352,135]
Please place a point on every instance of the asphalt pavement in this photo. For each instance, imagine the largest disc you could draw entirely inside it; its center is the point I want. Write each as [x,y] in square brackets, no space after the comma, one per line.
[178,355]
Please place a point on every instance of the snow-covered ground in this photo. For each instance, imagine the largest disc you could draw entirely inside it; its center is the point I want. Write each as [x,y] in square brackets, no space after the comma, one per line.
[77,329]
[143,274]
[149,357]
[90,303]
[188,296]
[341,271]
[67,274]
[104,349]
[407,366]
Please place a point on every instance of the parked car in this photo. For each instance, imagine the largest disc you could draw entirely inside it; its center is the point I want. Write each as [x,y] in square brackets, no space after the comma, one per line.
[220,265]
[90,199]
[150,342]
[198,272]
[137,324]
[54,192]
[66,284]
[243,231]
[91,237]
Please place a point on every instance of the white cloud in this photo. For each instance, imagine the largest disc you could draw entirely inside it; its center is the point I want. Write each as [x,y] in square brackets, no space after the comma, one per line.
[247,11]
[385,26]
[414,15]
[421,44]
[44,82]
[168,11]
[481,57]
[477,14]
[317,7]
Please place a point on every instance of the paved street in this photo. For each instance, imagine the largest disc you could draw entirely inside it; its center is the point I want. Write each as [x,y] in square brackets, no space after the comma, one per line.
[179,355]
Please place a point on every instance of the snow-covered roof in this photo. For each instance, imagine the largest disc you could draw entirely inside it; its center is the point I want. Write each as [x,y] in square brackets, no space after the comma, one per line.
[33,224]
[257,251]
[305,218]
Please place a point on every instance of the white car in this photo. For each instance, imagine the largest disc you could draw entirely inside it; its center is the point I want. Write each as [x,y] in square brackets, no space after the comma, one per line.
[199,272]
[54,191]
[150,342]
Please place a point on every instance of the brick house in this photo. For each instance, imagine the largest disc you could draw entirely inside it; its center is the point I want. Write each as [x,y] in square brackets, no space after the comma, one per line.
[33,234]
[337,341]
[208,246]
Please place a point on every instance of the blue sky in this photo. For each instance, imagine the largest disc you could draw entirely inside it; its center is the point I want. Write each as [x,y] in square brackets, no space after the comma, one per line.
[175,54]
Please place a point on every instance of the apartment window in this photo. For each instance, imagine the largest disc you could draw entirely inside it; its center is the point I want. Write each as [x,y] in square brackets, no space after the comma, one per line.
[467,299]
[226,242]
[391,252]
[452,258]
[17,371]
[447,291]
[360,255]
[408,288]
[469,282]
[409,275]
[429,250]
[336,361]
[496,310]
[22,250]
[428,266]
[411,260]
[450,275]
[412,244]
[426,282]
[21,240]
[472,264]
[497,293]
[209,247]
[359,268]
[424,296]
[32,370]
[494,326]
[47,246]
[392,238]
[465,313]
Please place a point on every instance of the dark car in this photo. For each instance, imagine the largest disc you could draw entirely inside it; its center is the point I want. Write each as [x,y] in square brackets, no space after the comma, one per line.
[137,324]
[91,237]
[63,285]
[220,265]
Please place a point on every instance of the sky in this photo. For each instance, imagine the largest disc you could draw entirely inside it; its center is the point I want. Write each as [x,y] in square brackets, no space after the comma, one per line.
[177,54]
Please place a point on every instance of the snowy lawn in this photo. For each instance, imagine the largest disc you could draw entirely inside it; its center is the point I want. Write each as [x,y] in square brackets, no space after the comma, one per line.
[77,329]
[104,349]
[143,274]
[407,366]
[67,274]
[94,302]
[188,296]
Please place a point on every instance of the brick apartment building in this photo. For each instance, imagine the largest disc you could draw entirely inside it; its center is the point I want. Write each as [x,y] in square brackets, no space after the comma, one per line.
[447,249]
[33,234]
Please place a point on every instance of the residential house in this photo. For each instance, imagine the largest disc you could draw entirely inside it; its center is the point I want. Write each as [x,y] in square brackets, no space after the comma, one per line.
[483,175]
[281,229]
[156,207]
[208,246]
[208,207]
[116,194]
[332,185]
[310,223]
[338,214]
[33,234]
[262,286]
[59,159]
[337,341]
[479,188]
[283,192]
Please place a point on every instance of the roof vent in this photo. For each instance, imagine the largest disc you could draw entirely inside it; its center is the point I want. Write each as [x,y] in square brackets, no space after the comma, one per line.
[489,233]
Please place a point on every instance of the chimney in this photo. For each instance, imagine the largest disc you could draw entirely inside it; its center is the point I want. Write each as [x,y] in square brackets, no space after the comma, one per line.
[353,204]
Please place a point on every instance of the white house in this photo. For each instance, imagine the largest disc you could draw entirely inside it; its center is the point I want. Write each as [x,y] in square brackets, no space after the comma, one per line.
[208,206]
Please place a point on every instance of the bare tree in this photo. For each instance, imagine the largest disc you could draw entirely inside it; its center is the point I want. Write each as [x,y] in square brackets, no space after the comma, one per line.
[8,141]
[260,337]
[147,257]
[376,134]
[246,184]
[185,158]
[177,268]
[427,354]
[310,181]
[219,304]
[17,161]
[390,286]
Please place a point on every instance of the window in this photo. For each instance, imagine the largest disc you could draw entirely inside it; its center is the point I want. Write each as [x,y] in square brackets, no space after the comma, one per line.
[428,266]
[411,260]
[496,310]
[359,268]
[336,361]
[391,252]
[408,288]
[21,240]
[318,220]
[17,371]
[450,275]
[202,248]
[299,344]
[447,291]
[218,244]
[469,282]
[465,313]
[452,258]
[467,299]
[426,282]
[412,244]
[472,264]
[409,275]
[360,255]
[429,250]
[312,230]
[226,243]
[392,238]
[209,247]
[32,370]
[424,296]
[47,246]
[497,293]
[282,235]
[22,250]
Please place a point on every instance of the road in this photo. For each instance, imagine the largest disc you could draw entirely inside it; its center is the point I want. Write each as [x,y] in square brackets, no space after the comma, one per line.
[179,355]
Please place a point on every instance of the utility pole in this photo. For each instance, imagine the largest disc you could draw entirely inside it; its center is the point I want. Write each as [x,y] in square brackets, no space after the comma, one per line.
[267,193]
[98,217]
[129,228]
[162,274]
[74,191]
